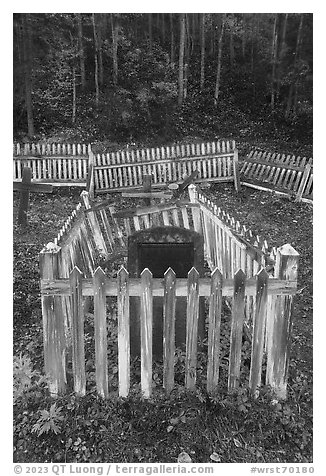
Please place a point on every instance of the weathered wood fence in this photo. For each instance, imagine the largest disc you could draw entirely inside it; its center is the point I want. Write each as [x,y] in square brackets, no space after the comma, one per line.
[285,174]
[58,164]
[76,164]
[262,288]
[69,277]
[214,161]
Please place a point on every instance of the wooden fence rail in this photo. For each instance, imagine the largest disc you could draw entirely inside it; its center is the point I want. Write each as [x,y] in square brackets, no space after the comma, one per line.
[76,286]
[288,175]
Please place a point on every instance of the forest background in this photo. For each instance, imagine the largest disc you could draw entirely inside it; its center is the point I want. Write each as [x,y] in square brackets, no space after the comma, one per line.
[142,78]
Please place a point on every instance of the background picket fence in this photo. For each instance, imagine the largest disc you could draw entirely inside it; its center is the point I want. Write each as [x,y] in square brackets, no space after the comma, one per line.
[58,164]
[97,232]
[214,161]
[76,164]
[289,175]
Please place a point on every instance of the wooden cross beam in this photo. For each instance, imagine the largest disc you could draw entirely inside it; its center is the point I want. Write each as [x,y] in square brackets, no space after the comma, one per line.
[25,187]
[146,192]
[178,189]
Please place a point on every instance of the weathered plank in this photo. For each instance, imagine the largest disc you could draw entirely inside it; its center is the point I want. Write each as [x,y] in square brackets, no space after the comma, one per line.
[258,333]
[169,304]
[77,332]
[279,325]
[53,325]
[192,328]
[214,327]
[146,332]
[94,225]
[101,361]
[123,332]
[236,329]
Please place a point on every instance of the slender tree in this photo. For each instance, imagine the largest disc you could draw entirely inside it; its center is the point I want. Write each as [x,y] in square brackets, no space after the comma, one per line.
[97,88]
[150,31]
[74,95]
[81,52]
[172,39]
[282,51]
[115,33]
[99,45]
[219,62]
[296,84]
[27,54]
[292,97]
[181,56]
[186,57]
[231,38]
[244,36]
[274,59]
[202,51]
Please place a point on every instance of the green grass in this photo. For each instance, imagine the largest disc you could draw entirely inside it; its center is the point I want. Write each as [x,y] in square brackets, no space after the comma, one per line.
[235,427]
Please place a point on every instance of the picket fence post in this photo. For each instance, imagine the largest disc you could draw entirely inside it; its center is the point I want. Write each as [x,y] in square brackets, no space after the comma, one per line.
[192,191]
[90,176]
[54,339]
[279,323]
[303,182]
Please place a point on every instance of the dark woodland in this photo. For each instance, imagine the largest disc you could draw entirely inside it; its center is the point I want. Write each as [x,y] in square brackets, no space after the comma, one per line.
[156,78]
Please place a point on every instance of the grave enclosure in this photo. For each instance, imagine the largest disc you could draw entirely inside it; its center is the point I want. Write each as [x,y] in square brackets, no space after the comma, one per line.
[258,281]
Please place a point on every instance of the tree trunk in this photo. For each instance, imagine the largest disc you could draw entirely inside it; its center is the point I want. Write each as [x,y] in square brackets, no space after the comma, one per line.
[97,89]
[172,38]
[231,42]
[150,33]
[219,62]
[181,56]
[100,54]
[186,57]
[163,28]
[243,38]
[293,91]
[213,34]
[115,31]
[81,52]
[27,52]
[281,54]
[73,118]
[274,57]
[202,51]
[297,54]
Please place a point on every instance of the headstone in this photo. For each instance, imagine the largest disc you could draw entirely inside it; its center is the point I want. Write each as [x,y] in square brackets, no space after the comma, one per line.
[158,249]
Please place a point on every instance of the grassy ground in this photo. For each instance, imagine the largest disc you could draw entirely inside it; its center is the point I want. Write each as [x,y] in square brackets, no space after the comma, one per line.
[233,428]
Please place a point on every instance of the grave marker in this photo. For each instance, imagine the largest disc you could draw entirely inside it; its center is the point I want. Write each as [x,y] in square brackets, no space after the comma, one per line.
[25,187]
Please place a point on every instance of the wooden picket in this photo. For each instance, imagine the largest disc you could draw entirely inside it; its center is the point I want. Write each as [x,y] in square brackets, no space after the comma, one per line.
[287,175]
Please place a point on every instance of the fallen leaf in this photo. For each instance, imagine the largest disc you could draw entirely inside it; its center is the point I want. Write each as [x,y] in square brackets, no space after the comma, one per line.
[215,457]
[237,443]
[184,458]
